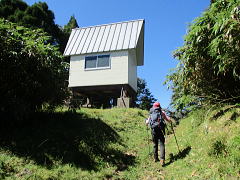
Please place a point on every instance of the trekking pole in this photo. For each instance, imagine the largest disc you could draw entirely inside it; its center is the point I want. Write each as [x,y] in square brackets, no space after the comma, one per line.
[148,142]
[147,136]
[175,138]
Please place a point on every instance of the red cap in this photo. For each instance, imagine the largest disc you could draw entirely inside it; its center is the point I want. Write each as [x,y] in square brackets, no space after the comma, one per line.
[156,104]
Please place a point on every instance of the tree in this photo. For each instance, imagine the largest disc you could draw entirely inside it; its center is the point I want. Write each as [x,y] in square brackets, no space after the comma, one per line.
[10,7]
[209,66]
[72,23]
[65,33]
[144,97]
[37,16]
[31,72]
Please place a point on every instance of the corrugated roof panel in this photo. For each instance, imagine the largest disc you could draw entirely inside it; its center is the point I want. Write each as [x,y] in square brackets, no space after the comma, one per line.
[69,41]
[78,39]
[110,37]
[115,37]
[121,36]
[94,39]
[99,39]
[88,40]
[74,38]
[133,35]
[104,39]
[83,40]
[127,35]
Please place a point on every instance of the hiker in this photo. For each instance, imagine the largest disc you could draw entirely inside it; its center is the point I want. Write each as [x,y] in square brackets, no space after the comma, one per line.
[157,124]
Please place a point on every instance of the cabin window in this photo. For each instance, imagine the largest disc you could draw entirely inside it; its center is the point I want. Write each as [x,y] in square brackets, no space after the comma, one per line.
[97,62]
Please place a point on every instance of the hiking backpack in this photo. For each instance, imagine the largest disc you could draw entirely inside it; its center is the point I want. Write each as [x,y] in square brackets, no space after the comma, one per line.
[156,119]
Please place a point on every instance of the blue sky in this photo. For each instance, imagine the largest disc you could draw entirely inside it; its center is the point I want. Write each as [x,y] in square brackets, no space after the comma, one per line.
[166,24]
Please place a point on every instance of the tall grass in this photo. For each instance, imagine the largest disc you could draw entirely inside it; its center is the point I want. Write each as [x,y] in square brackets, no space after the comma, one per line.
[116,144]
[65,145]
[213,135]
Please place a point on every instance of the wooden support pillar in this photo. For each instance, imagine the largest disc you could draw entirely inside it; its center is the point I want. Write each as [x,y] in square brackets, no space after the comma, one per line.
[124,101]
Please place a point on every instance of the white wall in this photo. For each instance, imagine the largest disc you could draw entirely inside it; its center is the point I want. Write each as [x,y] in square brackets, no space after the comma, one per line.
[116,74]
[132,70]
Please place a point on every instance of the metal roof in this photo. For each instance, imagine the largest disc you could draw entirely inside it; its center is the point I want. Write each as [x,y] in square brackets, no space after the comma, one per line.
[107,37]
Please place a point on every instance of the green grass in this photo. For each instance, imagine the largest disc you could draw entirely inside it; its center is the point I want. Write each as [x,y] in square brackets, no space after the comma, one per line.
[115,144]
[213,136]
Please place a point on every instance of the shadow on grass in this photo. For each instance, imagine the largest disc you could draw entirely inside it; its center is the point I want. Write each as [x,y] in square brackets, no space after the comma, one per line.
[64,137]
[182,154]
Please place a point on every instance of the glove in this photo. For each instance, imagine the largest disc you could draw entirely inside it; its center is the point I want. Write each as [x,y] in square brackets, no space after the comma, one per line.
[147,122]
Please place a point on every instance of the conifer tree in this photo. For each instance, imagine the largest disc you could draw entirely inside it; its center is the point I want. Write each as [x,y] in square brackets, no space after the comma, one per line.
[72,23]
[145,99]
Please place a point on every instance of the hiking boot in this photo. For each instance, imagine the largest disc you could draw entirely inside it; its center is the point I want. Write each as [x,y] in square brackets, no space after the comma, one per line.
[162,162]
[156,160]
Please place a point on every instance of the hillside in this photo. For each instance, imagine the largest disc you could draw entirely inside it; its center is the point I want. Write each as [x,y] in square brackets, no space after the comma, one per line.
[210,145]
[115,144]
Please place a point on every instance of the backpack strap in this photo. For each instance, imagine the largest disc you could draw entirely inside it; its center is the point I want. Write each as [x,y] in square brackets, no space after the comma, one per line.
[162,121]
[160,118]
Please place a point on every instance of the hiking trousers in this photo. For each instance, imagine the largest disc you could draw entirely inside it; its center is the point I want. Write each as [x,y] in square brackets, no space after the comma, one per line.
[158,137]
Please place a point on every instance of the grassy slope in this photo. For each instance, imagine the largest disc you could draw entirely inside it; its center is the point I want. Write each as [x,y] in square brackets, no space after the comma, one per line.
[114,144]
[210,141]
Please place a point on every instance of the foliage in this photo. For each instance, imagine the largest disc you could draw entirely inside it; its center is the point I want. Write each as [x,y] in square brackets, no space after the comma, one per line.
[218,148]
[65,33]
[182,101]
[72,23]
[10,7]
[208,70]
[31,71]
[144,97]
[36,16]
